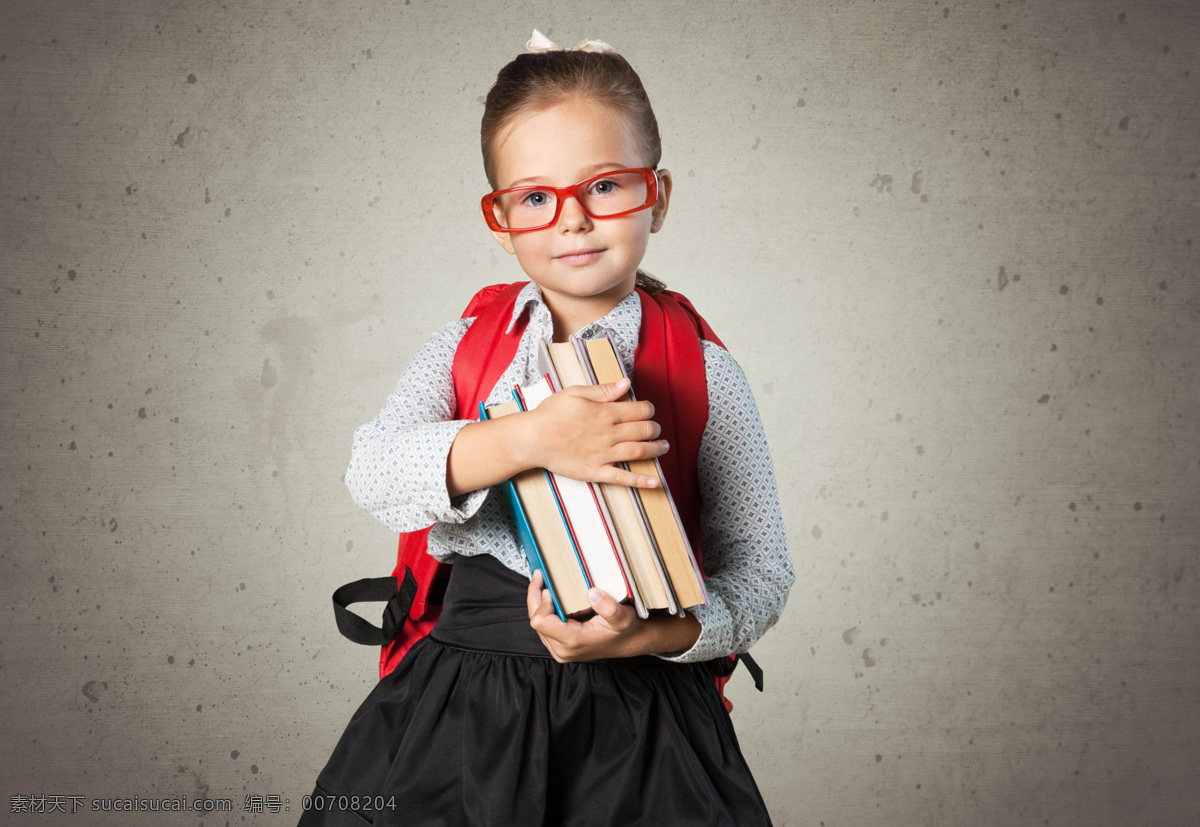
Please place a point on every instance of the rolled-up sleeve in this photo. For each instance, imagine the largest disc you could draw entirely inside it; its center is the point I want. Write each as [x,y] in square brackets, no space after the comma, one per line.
[397,466]
[743,538]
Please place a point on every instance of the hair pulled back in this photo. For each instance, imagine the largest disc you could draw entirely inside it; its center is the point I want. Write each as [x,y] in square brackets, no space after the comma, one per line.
[535,82]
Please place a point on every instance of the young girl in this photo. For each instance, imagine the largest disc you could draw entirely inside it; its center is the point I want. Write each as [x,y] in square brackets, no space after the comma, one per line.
[504,715]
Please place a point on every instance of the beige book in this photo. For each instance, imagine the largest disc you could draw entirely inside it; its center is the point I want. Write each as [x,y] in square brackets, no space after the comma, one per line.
[673,546]
[549,532]
[636,545]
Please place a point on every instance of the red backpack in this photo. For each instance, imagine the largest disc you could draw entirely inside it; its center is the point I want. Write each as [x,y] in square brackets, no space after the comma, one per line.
[669,369]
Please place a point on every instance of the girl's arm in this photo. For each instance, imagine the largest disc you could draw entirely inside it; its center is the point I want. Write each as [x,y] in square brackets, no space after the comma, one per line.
[578,433]
[744,541]
[415,465]
[398,463]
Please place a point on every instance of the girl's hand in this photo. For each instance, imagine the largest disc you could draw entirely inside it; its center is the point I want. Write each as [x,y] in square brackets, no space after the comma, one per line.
[578,432]
[581,431]
[615,631]
[607,634]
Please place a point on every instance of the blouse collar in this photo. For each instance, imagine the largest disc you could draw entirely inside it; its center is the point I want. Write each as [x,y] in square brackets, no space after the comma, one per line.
[624,321]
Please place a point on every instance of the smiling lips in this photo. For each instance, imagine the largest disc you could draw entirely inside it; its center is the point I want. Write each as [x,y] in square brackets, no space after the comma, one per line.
[580,257]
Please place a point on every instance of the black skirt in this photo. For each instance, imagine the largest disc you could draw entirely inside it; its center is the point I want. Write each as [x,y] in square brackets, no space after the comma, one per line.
[479,726]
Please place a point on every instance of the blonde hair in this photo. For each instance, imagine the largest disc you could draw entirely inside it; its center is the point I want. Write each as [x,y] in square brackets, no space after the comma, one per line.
[537,81]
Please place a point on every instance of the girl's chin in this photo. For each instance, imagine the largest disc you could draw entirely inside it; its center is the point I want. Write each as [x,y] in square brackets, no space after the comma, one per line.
[581,287]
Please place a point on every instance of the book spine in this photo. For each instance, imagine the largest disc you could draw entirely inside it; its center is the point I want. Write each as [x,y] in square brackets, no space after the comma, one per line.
[614,543]
[673,551]
[664,581]
[525,534]
[558,502]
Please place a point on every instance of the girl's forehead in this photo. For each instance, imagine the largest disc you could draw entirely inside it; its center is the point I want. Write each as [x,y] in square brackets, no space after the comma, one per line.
[560,140]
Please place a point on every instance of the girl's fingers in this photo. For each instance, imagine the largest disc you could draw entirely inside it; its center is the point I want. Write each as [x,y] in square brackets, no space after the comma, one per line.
[639,431]
[604,605]
[616,390]
[630,451]
[631,411]
[537,598]
[619,476]
[533,595]
[601,393]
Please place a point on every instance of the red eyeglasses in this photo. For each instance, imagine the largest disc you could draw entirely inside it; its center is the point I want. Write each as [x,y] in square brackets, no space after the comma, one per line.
[612,194]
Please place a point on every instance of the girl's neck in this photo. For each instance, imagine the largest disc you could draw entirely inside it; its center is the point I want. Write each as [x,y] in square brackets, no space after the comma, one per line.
[572,314]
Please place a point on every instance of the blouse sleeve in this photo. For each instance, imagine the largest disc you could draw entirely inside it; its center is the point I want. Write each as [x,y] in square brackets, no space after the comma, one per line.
[744,542]
[398,461]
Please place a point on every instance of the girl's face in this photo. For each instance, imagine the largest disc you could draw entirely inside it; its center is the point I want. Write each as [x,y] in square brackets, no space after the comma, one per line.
[584,266]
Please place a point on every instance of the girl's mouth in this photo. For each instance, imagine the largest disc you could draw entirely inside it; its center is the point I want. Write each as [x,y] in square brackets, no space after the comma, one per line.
[580,257]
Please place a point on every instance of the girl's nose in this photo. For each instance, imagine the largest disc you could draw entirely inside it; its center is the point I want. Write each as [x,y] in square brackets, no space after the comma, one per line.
[573,218]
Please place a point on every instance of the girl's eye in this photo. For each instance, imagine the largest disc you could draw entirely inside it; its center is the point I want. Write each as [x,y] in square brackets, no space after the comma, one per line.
[605,187]
[537,198]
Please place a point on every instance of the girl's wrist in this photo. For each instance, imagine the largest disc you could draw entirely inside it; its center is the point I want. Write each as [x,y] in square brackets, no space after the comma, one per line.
[488,453]
[515,442]
[667,634]
[523,444]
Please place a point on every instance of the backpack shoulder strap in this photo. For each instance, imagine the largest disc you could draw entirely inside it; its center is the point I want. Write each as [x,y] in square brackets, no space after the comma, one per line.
[670,372]
[486,295]
[669,368]
[485,350]
[483,354]
[706,333]
[479,360]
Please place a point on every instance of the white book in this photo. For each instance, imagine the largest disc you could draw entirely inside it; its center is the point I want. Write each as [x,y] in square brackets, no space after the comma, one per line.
[586,516]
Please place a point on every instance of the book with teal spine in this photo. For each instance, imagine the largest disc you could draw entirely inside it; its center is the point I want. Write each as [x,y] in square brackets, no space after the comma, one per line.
[519,397]
[525,532]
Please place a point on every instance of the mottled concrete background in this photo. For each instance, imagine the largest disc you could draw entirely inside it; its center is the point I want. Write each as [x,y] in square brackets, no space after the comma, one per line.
[954,247]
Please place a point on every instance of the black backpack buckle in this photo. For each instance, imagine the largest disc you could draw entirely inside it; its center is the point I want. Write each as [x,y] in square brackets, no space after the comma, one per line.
[396,612]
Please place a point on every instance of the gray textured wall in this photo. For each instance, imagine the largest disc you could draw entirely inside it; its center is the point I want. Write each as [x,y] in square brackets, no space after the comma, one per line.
[952,244]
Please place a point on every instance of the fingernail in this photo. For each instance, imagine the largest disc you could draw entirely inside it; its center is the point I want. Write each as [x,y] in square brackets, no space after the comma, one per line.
[666,446]
[595,596]
[622,383]
[651,482]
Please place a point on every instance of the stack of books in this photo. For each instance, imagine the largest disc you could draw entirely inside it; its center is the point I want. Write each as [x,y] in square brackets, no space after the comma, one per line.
[629,542]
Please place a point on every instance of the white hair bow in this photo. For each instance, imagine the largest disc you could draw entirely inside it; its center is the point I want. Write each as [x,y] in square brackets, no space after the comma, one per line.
[540,43]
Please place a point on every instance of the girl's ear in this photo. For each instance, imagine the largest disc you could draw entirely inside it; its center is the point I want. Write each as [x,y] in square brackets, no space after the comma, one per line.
[658,213]
[503,239]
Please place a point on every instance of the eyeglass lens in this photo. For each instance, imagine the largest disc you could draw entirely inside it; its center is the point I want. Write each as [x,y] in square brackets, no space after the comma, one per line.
[602,197]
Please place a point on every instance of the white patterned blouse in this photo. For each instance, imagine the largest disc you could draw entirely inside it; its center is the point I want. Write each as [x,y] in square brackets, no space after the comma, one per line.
[398,473]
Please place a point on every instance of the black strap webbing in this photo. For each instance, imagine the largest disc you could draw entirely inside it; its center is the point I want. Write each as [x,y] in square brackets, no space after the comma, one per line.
[723,667]
[373,589]
[753,668]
